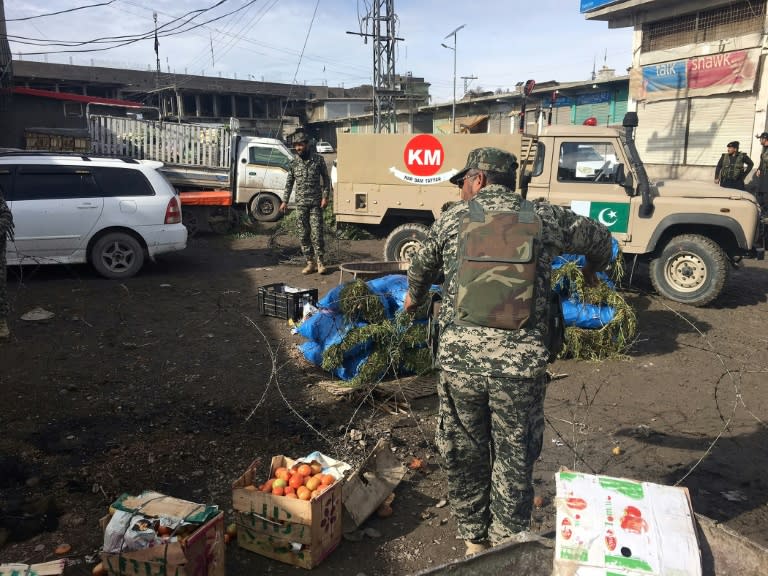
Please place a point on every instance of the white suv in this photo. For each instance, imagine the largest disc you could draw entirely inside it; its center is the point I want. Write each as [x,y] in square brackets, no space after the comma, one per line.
[68,209]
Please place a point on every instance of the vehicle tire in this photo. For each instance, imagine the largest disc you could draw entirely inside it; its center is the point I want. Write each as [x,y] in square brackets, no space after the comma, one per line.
[692,269]
[117,255]
[265,208]
[404,241]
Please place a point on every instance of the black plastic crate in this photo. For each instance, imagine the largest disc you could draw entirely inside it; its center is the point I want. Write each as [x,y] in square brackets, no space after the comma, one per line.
[275,301]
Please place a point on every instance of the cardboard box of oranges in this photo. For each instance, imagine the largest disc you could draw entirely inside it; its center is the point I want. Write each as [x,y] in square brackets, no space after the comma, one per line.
[293,516]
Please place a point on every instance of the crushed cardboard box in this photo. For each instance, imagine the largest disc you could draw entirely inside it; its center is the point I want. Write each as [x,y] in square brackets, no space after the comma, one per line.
[200,552]
[614,526]
[52,568]
[370,485]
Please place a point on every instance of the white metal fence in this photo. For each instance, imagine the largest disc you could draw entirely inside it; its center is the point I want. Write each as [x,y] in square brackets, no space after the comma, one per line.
[172,143]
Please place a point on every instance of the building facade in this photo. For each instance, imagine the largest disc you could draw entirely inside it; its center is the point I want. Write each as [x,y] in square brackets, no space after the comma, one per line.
[698,78]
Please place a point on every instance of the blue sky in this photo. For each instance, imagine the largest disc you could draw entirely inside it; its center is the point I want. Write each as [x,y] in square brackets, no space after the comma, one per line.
[503,41]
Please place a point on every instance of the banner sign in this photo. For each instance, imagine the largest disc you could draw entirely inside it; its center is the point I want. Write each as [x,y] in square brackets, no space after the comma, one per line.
[698,76]
[587,5]
[581,99]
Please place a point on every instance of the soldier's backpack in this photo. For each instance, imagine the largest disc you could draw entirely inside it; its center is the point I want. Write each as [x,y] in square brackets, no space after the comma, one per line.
[496,275]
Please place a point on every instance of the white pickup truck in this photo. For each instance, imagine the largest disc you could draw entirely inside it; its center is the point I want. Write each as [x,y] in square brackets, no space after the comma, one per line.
[213,167]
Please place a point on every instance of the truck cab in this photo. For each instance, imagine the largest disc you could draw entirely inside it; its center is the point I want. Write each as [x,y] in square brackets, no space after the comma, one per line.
[262,169]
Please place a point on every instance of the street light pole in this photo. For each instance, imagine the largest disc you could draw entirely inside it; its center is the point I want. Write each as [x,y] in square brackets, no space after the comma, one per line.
[453,107]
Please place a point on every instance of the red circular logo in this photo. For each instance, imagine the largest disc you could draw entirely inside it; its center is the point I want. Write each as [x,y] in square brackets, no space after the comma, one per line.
[423,155]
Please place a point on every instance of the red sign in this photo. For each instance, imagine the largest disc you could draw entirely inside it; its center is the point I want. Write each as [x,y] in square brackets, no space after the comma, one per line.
[423,155]
[725,68]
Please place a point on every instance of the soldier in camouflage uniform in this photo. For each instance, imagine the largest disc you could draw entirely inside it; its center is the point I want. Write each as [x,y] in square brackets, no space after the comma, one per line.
[6,231]
[733,167]
[492,381]
[307,169]
[762,172]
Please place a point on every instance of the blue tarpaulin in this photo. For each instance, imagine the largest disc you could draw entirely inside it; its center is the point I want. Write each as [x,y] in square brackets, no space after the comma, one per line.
[328,326]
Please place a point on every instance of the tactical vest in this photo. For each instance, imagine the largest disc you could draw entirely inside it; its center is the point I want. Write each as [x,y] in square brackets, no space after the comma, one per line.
[733,166]
[496,275]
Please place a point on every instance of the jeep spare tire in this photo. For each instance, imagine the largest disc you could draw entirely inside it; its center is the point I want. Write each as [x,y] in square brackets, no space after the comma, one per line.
[691,269]
[404,241]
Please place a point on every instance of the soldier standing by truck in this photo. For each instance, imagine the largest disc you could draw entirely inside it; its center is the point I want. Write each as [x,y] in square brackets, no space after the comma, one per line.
[6,230]
[733,167]
[762,172]
[307,170]
[492,379]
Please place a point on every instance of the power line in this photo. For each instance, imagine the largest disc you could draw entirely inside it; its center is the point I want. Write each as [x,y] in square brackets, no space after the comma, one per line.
[135,38]
[67,11]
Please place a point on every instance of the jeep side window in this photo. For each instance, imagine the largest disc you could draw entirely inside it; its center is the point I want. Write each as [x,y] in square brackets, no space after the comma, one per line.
[49,182]
[267,156]
[538,162]
[587,162]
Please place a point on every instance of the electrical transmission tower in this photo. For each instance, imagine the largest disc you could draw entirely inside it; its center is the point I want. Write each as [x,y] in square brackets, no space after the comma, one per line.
[382,20]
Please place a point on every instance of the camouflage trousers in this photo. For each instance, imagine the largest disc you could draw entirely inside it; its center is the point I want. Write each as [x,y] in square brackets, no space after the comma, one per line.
[4,309]
[311,227]
[490,432]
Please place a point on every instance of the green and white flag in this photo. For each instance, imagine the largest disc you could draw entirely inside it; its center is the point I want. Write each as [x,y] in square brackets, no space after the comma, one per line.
[614,215]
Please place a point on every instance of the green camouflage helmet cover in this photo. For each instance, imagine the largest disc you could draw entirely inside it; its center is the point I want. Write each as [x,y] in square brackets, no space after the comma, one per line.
[488,160]
[299,136]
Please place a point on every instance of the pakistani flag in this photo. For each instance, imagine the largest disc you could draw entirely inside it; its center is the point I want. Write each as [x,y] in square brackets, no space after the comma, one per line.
[614,215]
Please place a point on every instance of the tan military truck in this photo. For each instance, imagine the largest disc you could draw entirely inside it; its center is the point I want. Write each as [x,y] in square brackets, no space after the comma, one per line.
[690,233]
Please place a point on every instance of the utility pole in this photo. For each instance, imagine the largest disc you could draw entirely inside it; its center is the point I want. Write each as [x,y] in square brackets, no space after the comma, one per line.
[157,53]
[382,22]
[6,69]
[467,80]
[453,107]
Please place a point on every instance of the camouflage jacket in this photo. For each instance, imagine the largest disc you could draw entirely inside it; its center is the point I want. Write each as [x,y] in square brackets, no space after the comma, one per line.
[763,167]
[734,167]
[6,219]
[307,175]
[491,351]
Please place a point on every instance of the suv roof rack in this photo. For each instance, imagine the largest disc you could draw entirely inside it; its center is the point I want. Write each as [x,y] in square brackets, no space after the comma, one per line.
[84,157]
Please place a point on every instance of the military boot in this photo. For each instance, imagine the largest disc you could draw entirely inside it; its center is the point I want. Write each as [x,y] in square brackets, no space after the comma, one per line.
[476,547]
[5,332]
[321,269]
[309,268]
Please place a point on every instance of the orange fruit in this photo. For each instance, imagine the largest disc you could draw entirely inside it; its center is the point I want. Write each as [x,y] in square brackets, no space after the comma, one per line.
[283,473]
[304,470]
[316,468]
[278,490]
[289,490]
[327,479]
[312,483]
[315,494]
[267,486]
[296,481]
[303,493]
[292,495]
[279,483]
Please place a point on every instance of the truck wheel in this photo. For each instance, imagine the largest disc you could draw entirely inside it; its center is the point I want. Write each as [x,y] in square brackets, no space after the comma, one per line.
[117,255]
[692,269]
[264,208]
[404,241]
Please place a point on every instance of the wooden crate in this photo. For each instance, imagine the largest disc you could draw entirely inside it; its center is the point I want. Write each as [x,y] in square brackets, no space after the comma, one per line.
[297,532]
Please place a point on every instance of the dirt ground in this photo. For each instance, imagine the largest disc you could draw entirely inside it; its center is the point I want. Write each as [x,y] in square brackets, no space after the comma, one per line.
[163,382]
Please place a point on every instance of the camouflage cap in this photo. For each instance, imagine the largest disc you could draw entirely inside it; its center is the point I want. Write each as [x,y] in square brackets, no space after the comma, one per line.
[488,159]
[299,136]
